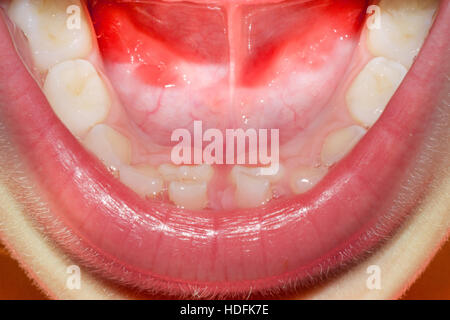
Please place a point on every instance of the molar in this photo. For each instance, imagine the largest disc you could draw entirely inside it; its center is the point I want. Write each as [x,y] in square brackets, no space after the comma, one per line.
[78,95]
[404,26]
[372,89]
[44,23]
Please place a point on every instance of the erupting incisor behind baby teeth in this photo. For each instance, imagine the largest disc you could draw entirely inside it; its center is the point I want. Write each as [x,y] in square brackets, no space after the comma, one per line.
[340,142]
[372,89]
[44,23]
[404,27]
[78,95]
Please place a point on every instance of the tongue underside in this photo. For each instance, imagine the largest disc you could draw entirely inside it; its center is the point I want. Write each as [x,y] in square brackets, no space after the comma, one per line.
[158,35]
[271,65]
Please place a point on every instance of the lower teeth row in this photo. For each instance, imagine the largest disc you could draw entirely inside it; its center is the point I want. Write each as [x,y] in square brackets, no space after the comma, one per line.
[82,98]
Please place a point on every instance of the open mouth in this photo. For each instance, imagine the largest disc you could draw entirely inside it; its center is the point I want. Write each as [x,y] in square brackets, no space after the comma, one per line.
[103,85]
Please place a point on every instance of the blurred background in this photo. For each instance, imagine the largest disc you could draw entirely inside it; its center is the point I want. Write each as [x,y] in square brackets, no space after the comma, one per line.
[433,284]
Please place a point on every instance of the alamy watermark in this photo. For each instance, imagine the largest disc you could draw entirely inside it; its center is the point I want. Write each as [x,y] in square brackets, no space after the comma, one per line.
[73,21]
[73,281]
[234,146]
[373,282]
[374,19]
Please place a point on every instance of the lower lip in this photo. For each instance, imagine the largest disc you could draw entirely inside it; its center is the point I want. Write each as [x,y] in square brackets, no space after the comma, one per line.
[156,246]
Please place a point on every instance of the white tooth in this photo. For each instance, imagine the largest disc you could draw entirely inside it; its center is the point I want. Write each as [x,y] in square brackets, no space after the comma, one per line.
[253,188]
[305,178]
[189,195]
[188,187]
[340,142]
[372,89]
[404,26]
[144,180]
[256,172]
[251,191]
[201,172]
[110,146]
[77,94]
[52,36]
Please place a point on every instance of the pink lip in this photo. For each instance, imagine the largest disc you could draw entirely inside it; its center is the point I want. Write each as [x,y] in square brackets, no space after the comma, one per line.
[155,246]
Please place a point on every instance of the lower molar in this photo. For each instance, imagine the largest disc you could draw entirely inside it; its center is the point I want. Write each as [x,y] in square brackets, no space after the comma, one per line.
[373,88]
[44,23]
[404,25]
[77,94]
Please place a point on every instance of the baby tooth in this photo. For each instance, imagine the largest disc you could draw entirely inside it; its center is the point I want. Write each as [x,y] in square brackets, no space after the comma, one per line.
[189,195]
[171,172]
[372,89]
[77,94]
[403,29]
[251,191]
[305,178]
[108,145]
[253,188]
[188,187]
[47,26]
[144,180]
[340,142]
[256,172]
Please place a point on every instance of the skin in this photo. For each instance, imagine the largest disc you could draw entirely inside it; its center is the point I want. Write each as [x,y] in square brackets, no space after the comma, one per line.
[401,259]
